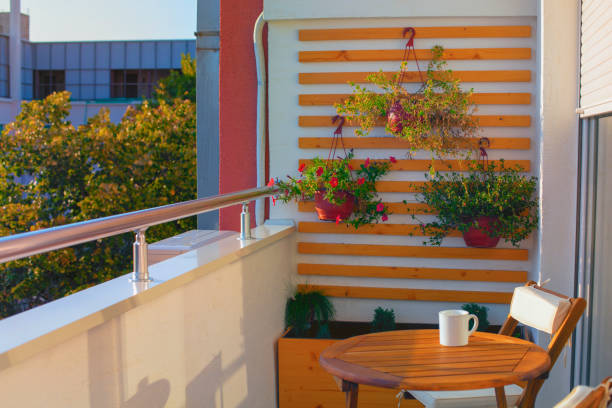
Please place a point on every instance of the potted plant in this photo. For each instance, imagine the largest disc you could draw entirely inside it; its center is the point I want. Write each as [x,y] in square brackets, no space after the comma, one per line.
[341,193]
[309,312]
[486,204]
[481,313]
[384,320]
[436,118]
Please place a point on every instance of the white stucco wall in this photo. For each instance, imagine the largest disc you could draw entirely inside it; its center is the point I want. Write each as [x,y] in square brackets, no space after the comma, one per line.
[208,341]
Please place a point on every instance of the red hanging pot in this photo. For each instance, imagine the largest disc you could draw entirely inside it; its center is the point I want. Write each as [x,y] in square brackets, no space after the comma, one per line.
[329,211]
[478,237]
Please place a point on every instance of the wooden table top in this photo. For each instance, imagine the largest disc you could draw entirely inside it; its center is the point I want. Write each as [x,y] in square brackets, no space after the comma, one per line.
[415,360]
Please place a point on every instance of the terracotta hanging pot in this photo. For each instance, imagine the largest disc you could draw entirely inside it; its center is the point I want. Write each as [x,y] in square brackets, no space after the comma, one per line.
[478,237]
[328,211]
[396,117]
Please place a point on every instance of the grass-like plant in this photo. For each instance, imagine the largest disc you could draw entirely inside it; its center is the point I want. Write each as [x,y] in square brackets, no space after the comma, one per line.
[436,118]
[481,313]
[333,176]
[384,320]
[491,190]
[309,312]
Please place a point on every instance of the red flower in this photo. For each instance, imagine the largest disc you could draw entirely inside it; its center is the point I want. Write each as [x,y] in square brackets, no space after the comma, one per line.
[349,166]
[273,201]
[299,181]
[380,207]
[384,217]
[338,219]
[302,167]
[360,181]
[271,182]
[333,182]
[392,159]
[319,171]
[367,162]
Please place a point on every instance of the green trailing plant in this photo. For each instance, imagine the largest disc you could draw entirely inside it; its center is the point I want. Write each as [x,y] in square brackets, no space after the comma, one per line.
[384,320]
[309,312]
[437,118]
[333,176]
[496,191]
[481,313]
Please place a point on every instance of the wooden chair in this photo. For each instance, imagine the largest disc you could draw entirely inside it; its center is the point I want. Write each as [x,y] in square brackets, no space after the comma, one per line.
[588,397]
[521,397]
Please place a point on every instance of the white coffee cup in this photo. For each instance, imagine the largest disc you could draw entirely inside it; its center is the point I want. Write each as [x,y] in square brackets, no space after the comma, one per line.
[454,327]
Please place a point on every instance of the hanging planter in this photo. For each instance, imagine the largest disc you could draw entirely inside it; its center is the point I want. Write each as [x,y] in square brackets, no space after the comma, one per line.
[437,117]
[486,205]
[341,193]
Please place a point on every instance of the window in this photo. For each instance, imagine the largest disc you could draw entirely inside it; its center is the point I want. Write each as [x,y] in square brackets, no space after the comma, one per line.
[135,83]
[47,82]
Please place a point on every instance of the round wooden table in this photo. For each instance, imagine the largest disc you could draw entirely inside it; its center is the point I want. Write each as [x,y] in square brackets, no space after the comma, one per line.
[415,360]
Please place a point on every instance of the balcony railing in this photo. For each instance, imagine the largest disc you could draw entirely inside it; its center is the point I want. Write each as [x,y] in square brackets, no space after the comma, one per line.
[37,242]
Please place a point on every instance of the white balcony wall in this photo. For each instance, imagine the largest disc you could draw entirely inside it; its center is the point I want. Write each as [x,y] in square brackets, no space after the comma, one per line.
[203,336]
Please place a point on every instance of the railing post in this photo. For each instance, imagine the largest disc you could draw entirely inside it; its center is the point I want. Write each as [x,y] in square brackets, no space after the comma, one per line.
[245,223]
[141,261]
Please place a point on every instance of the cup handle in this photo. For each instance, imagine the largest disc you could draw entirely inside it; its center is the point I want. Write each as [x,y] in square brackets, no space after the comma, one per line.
[475,327]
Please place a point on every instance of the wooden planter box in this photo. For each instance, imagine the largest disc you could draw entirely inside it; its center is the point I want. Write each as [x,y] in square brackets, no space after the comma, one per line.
[302,383]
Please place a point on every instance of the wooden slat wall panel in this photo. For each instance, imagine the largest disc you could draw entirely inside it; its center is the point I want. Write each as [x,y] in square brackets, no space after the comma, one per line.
[483,120]
[398,55]
[447,165]
[434,295]
[397,272]
[375,229]
[406,251]
[493,98]
[306,78]
[508,143]
[390,33]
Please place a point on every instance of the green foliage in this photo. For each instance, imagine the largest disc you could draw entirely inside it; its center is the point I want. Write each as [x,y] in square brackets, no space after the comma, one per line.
[493,191]
[384,320]
[309,313]
[52,173]
[337,176]
[436,118]
[481,313]
[180,85]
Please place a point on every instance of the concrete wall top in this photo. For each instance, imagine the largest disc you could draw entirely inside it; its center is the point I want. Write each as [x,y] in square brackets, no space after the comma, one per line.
[317,9]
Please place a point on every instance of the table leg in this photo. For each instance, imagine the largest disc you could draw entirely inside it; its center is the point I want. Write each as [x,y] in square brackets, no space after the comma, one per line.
[351,390]
[500,397]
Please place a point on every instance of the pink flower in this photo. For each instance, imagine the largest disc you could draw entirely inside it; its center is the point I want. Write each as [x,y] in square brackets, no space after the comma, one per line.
[392,159]
[319,171]
[349,166]
[380,207]
[299,181]
[302,167]
[271,182]
[333,182]
[338,219]
[384,217]
[367,162]
[360,181]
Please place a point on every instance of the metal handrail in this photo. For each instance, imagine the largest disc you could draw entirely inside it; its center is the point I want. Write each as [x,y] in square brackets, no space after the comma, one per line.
[19,246]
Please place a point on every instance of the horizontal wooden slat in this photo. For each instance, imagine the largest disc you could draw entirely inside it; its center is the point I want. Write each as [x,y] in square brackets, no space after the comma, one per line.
[500,98]
[399,186]
[394,208]
[433,295]
[374,229]
[403,251]
[307,78]
[426,54]
[439,165]
[388,33]
[483,120]
[509,143]
[397,272]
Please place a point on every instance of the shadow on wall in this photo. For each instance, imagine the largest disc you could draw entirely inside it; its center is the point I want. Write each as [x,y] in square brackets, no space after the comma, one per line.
[153,395]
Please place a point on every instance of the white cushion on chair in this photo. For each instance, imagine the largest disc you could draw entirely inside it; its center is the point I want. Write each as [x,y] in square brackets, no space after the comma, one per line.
[483,398]
[538,309]
[572,399]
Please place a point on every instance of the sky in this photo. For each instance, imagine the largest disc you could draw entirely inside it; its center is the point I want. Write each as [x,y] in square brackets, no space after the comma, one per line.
[93,20]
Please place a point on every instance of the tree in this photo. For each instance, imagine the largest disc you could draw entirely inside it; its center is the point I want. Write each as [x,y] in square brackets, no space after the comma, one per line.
[178,84]
[52,173]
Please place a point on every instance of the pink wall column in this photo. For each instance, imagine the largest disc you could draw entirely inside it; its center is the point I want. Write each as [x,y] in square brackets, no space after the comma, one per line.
[237,104]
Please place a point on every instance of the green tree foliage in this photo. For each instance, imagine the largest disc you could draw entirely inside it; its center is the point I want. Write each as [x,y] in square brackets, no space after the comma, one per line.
[52,173]
[178,84]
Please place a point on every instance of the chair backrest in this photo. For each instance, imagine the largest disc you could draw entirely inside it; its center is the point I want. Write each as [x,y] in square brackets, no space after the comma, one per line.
[588,397]
[559,337]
